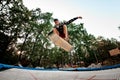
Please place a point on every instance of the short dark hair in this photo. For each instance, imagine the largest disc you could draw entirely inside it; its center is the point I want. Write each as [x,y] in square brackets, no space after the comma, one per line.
[56,20]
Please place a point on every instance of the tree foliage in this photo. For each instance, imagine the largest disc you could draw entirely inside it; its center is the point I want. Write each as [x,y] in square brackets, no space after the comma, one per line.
[24,38]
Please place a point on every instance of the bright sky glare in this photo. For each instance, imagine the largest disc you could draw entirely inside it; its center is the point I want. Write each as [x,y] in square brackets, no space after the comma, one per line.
[100,17]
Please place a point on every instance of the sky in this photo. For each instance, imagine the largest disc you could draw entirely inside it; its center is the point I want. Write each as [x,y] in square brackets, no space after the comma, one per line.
[100,17]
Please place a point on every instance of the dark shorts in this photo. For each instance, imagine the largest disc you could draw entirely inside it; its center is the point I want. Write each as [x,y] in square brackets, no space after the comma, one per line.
[62,35]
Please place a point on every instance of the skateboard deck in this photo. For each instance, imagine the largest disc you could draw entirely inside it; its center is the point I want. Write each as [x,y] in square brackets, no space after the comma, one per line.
[58,41]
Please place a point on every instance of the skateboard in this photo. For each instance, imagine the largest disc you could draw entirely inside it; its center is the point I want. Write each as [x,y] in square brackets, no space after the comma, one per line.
[58,41]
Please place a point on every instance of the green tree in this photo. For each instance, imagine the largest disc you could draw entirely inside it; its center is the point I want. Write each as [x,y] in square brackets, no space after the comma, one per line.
[37,42]
[26,31]
[14,18]
[83,43]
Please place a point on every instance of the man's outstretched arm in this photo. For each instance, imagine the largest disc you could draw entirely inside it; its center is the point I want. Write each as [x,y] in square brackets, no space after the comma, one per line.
[71,20]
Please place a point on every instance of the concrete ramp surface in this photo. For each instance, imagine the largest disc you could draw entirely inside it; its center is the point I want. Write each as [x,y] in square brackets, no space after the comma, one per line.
[25,74]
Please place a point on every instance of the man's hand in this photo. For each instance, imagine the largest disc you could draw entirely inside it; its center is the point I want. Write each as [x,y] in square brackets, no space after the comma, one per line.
[79,17]
[67,39]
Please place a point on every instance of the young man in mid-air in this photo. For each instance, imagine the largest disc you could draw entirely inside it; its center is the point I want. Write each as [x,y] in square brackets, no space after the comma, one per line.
[61,29]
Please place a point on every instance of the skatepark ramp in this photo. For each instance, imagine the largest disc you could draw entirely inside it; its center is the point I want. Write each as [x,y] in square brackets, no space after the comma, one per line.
[9,72]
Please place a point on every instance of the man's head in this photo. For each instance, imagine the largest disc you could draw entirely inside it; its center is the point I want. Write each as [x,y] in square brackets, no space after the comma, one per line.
[56,21]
